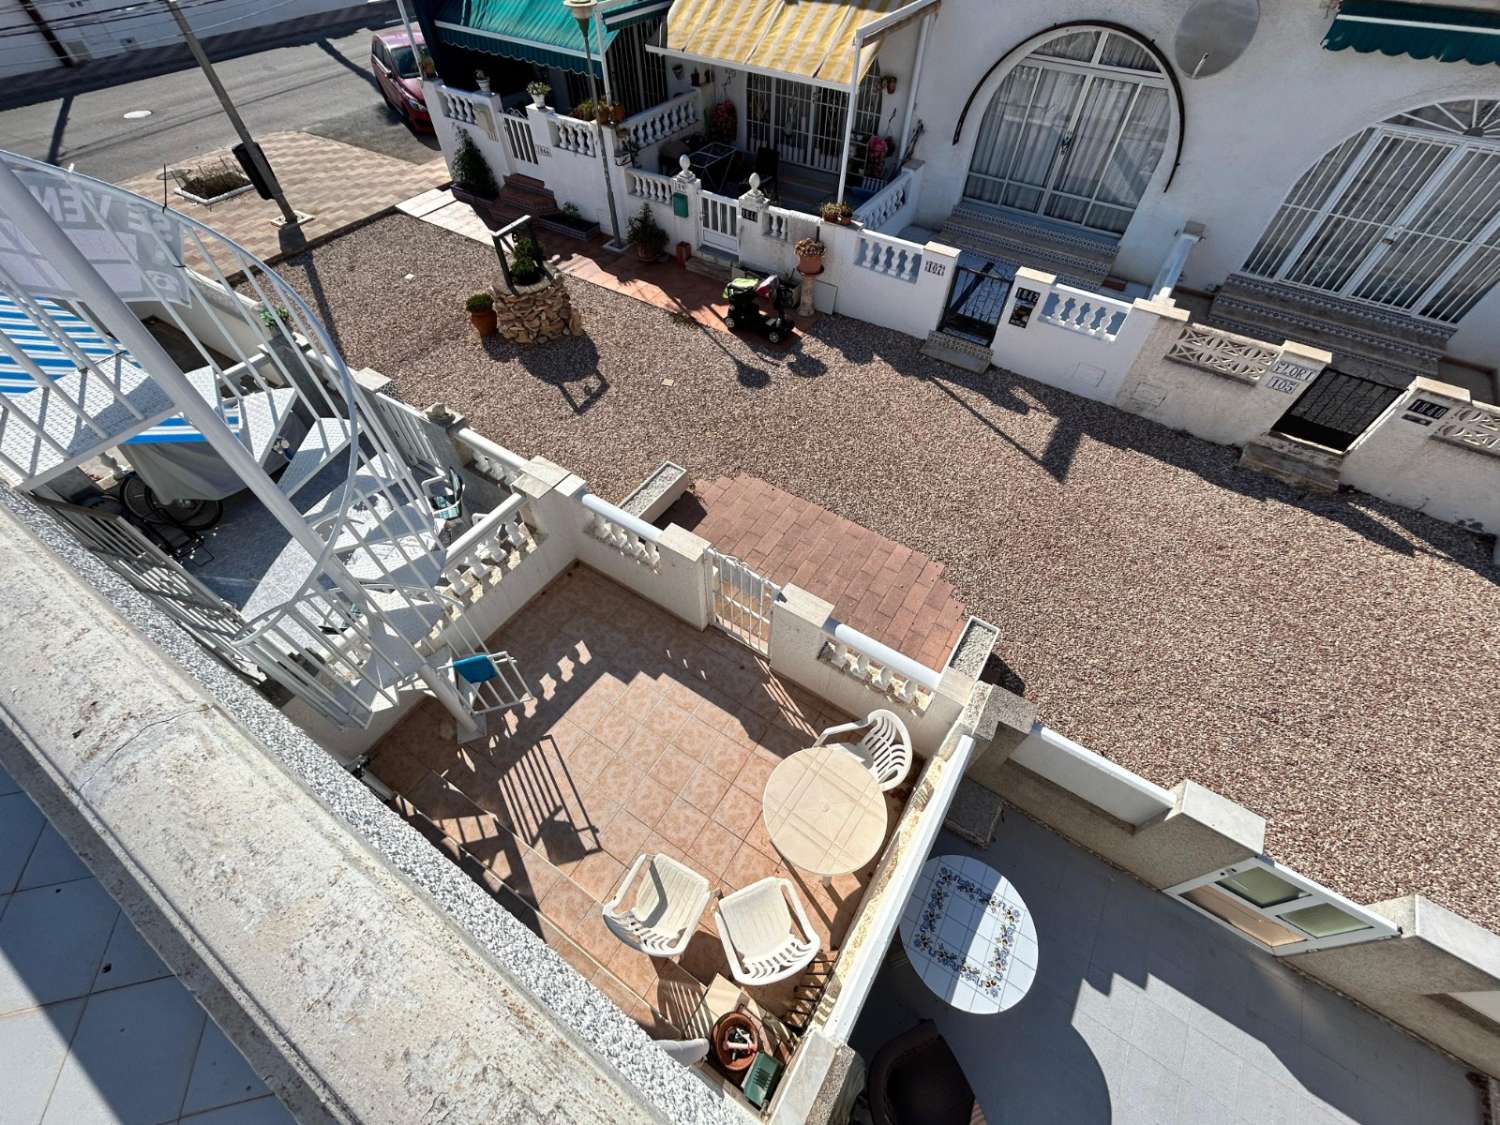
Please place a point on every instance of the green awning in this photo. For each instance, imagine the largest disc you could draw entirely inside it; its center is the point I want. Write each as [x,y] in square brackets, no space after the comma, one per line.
[538,31]
[1421,31]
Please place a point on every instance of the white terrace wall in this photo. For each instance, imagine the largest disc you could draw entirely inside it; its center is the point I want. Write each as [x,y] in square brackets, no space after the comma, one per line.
[1436,451]
[1213,384]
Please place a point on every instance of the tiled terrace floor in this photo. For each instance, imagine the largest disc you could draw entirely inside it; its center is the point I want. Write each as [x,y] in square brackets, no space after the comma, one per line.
[882,588]
[1145,1013]
[94,1028]
[646,737]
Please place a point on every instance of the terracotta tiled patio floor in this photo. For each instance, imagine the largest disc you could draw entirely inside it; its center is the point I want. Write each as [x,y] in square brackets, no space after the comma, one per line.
[646,736]
[878,586]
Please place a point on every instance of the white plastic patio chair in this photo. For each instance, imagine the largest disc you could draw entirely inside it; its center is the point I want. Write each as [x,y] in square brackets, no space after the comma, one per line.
[755,928]
[667,905]
[884,748]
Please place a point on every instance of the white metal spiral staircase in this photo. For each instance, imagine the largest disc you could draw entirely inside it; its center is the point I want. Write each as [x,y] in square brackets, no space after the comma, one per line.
[363,601]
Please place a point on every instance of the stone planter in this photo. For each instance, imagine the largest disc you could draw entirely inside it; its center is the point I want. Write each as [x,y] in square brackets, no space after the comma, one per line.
[536,312]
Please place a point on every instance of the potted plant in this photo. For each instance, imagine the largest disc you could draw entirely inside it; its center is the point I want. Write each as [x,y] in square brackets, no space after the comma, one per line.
[538,92]
[482,81]
[481,310]
[723,122]
[840,213]
[810,256]
[646,234]
[526,263]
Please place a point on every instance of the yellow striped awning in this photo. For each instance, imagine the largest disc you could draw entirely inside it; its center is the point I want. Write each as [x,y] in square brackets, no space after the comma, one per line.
[801,38]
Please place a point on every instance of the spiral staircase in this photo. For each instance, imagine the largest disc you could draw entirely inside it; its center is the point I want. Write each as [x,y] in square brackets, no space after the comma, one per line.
[367,601]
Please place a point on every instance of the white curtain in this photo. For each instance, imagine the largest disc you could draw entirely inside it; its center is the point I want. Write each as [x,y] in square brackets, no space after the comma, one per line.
[1105,107]
[1142,140]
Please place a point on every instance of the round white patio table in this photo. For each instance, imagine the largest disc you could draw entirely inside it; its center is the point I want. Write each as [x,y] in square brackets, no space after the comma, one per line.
[824,811]
[969,935]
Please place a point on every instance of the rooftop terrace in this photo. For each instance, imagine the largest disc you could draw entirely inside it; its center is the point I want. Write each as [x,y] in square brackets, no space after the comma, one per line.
[647,736]
[1178,614]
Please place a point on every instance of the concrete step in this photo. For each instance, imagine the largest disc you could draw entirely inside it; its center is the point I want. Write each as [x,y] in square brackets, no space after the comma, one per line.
[709,263]
[1304,466]
[964,354]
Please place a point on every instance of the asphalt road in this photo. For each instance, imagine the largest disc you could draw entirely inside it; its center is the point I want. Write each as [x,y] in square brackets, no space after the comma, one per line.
[324,87]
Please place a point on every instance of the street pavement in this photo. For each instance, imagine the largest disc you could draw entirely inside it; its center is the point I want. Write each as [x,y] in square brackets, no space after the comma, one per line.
[323,87]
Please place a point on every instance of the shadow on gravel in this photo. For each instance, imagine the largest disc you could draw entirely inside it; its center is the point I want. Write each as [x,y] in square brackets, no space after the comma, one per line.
[557,363]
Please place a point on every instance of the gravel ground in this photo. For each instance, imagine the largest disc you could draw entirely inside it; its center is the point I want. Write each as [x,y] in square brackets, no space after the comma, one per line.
[1332,664]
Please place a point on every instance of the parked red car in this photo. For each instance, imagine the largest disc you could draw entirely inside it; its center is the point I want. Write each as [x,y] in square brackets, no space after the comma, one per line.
[396,69]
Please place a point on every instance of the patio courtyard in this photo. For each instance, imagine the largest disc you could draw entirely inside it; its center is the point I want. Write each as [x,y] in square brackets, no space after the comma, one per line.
[646,736]
[1165,608]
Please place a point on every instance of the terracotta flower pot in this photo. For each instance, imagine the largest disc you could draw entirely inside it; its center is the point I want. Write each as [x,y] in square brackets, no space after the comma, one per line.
[809,265]
[733,1058]
[485,323]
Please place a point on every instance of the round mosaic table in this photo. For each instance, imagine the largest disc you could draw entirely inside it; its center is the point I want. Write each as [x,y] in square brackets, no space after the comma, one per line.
[824,811]
[969,935]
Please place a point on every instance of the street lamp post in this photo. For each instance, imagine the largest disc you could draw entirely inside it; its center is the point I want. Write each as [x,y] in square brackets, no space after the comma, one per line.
[583,12]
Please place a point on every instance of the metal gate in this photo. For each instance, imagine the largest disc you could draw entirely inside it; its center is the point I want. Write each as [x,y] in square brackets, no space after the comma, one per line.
[518,138]
[974,303]
[740,600]
[1336,409]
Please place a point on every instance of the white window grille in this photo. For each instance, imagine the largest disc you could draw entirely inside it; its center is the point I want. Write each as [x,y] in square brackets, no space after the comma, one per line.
[1074,132]
[1405,215]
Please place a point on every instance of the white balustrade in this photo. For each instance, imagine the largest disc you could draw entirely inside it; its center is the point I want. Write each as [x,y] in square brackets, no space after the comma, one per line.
[649,185]
[466,108]
[894,257]
[518,136]
[485,546]
[876,211]
[879,666]
[1213,349]
[632,537]
[720,221]
[1077,310]
[679,115]
[574,135]
[777,223]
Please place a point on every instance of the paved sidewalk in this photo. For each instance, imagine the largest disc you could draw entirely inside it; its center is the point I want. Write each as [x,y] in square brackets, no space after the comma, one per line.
[878,586]
[338,184]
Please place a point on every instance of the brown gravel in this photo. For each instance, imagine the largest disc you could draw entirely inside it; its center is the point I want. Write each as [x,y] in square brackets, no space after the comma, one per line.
[1332,664]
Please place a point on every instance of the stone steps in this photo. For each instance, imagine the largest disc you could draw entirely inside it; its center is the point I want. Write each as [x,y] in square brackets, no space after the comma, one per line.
[1379,344]
[1082,259]
[1300,464]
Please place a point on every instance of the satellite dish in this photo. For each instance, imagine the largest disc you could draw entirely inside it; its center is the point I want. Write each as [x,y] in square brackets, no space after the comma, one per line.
[1213,33]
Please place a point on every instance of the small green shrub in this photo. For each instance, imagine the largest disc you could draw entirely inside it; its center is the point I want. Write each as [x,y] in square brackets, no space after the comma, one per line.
[645,232]
[471,171]
[479,303]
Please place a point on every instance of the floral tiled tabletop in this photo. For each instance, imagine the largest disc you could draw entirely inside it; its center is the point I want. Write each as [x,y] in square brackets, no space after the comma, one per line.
[969,935]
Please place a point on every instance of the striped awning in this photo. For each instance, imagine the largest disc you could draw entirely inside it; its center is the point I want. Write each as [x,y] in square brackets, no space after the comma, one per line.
[56,360]
[537,31]
[1421,31]
[807,39]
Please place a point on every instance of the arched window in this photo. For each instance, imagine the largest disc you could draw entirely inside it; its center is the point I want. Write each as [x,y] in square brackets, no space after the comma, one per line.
[1074,131]
[1405,215]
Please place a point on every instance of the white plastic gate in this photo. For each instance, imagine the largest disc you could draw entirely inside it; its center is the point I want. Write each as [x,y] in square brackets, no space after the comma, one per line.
[740,600]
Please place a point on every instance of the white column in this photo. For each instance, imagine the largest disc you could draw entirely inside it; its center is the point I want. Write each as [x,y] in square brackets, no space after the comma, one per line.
[1171,269]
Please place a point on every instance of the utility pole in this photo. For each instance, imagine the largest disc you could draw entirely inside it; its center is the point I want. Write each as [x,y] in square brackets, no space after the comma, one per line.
[252,149]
